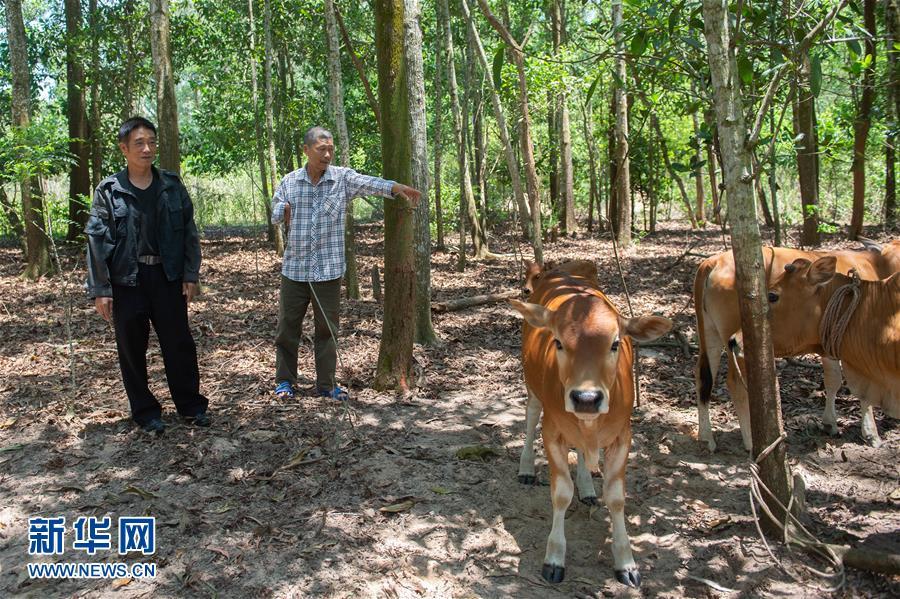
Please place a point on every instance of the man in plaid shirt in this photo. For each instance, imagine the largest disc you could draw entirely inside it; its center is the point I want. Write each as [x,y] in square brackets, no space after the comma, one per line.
[312,201]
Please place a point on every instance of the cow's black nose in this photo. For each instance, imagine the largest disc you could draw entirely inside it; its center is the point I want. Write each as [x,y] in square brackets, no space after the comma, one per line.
[526,291]
[586,398]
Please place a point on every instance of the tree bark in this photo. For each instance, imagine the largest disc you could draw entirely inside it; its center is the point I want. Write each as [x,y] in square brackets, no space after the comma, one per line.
[336,93]
[567,171]
[863,123]
[438,137]
[807,152]
[418,131]
[531,179]
[622,222]
[166,103]
[398,328]
[79,171]
[765,405]
[270,126]
[712,165]
[94,126]
[700,199]
[37,252]
[512,163]
[128,106]
[594,196]
[272,230]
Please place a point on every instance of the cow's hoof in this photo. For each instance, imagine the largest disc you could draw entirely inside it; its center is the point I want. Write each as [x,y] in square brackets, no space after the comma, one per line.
[630,577]
[590,500]
[832,429]
[528,479]
[872,441]
[552,573]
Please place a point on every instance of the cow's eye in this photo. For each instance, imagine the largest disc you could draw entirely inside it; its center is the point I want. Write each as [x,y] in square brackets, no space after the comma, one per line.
[773,297]
[615,346]
[558,344]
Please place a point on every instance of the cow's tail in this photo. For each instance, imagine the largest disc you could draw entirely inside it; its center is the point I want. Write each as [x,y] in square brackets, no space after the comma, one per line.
[703,373]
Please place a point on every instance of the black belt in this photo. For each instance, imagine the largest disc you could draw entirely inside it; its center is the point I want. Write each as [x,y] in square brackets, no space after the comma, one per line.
[150,260]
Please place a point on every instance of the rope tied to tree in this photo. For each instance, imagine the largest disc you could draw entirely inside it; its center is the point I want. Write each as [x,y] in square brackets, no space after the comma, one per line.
[836,319]
[793,530]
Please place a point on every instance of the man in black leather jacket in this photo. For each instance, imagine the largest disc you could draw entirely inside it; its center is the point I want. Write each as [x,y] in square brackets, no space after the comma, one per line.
[143,260]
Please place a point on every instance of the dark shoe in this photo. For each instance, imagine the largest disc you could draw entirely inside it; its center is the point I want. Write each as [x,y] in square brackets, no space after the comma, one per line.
[284,390]
[154,425]
[199,419]
[337,393]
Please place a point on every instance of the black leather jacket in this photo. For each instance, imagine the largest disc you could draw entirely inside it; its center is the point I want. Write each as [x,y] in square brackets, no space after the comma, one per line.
[113,235]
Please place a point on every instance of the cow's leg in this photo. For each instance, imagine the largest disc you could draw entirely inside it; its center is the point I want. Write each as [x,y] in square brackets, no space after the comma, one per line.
[869,427]
[561,490]
[707,368]
[833,380]
[868,394]
[584,482]
[615,458]
[737,388]
[526,460]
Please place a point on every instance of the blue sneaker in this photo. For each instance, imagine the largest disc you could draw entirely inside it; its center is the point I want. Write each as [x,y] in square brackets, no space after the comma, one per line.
[284,390]
[337,393]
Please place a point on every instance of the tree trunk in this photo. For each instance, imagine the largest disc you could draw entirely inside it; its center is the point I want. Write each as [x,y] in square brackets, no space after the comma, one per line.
[465,182]
[438,134]
[128,106]
[765,405]
[712,166]
[37,253]
[270,126]
[863,123]
[700,213]
[336,92]
[612,204]
[531,179]
[418,132]
[512,164]
[166,103]
[79,171]
[622,222]
[892,17]
[398,328]
[474,207]
[258,141]
[360,68]
[94,126]
[567,172]
[594,196]
[807,153]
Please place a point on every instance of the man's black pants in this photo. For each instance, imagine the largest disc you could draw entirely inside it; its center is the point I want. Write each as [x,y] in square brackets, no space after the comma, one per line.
[160,301]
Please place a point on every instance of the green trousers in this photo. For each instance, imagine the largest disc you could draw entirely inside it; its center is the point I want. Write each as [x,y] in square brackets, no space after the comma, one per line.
[294,299]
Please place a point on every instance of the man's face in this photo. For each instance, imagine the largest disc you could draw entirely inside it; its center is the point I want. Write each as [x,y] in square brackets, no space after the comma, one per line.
[320,153]
[140,147]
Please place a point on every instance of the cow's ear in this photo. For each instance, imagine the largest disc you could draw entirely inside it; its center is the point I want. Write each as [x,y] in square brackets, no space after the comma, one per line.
[645,328]
[798,264]
[535,314]
[822,270]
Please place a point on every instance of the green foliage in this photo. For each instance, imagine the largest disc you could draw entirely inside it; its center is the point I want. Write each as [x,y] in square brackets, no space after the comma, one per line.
[38,150]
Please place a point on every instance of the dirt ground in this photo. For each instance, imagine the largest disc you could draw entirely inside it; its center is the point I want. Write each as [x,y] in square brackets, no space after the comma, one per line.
[310,498]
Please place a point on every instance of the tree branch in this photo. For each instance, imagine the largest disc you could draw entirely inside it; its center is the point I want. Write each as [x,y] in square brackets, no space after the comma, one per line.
[373,103]
[807,41]
[764,107]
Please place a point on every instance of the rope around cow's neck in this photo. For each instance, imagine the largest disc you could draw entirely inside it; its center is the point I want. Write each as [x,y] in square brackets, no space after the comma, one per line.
[835,319]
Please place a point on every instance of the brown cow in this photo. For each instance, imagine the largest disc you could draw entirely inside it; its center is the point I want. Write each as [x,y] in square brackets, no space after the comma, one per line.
[870,346]
[577,359]
[576,268]
[718,320]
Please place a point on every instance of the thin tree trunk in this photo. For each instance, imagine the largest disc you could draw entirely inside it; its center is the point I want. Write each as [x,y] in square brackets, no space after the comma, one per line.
[418,132]
[712,166]
[398,328]
[567,172]
[270,126]
[760,192]
[765,405]
[531,178]
[612,204]
[128,106]
[622,223]
[807,153]
[166,104]
[94,126]
[892,17]
[475,144]
[438,135]
[37,253]
[258,141]
[700,213]
[512,164]
[360,68]
[594,196]
[863,123]
[79,171]
[336,92]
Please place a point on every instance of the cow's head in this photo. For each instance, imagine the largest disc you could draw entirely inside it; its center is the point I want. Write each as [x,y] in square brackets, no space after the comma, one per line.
[794,303]
[587,333]
[533,272]
[889,259]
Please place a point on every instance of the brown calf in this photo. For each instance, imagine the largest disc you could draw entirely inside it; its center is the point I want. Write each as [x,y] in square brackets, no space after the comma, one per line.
[577,359]
[718,320]
[870,347]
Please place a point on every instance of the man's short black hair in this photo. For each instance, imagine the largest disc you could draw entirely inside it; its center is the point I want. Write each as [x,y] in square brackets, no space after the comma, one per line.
[132,124]
[316,133]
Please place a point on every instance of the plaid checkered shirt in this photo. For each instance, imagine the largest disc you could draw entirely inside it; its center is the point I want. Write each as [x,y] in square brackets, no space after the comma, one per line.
[314,250]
